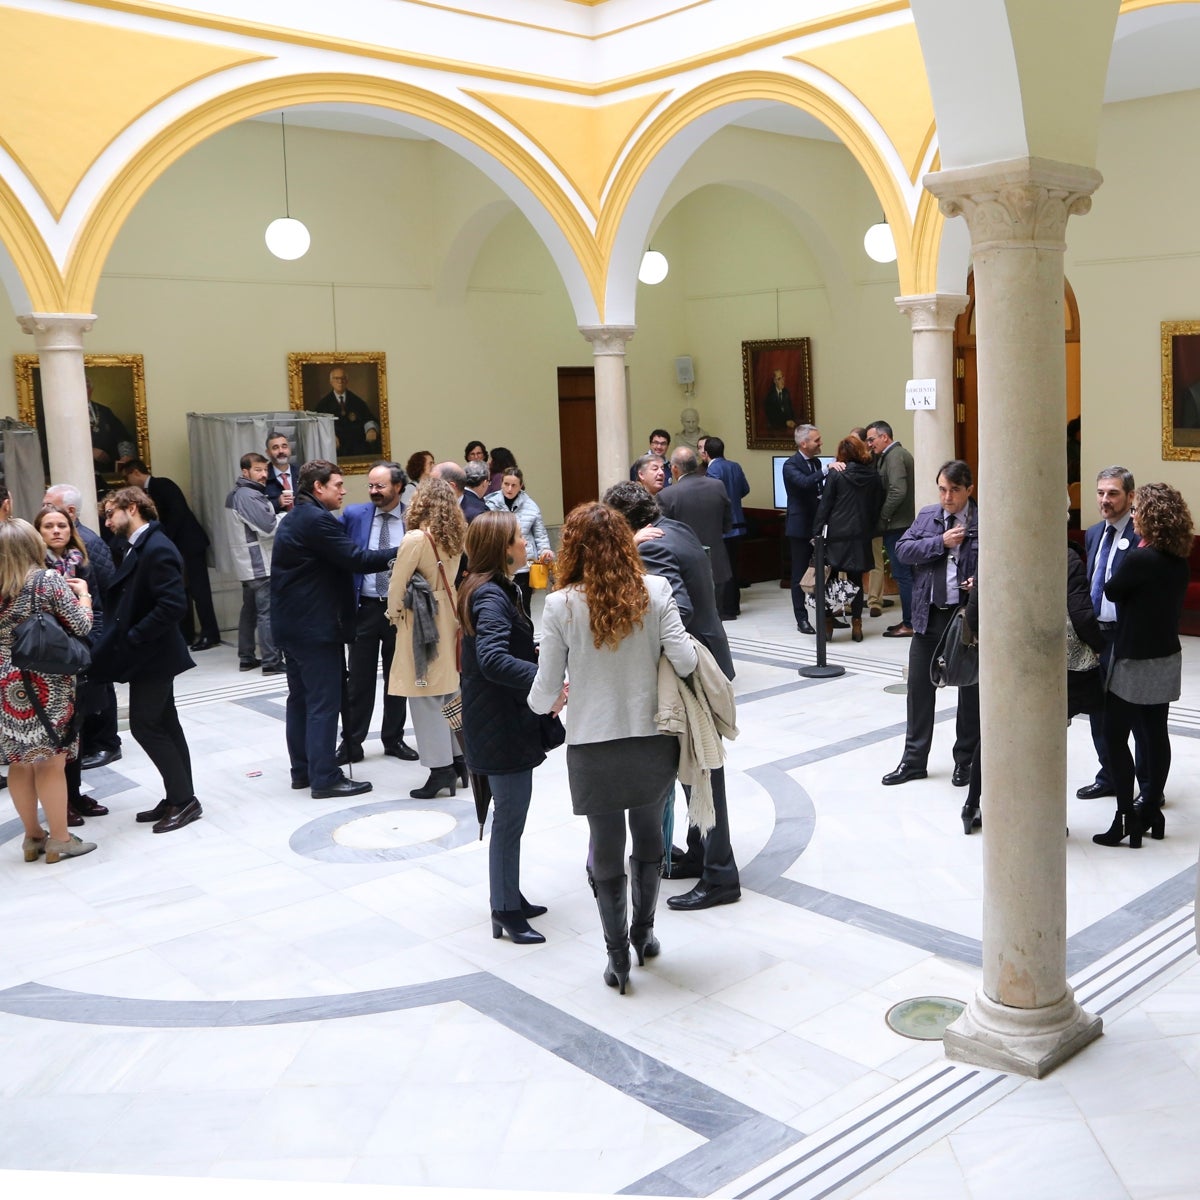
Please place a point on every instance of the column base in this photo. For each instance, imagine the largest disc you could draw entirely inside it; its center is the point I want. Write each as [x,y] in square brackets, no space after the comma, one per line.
[1021,1041]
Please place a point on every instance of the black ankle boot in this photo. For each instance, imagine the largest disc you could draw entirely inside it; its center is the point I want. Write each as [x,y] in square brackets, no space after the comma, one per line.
[517,928]
[644,878]
[1150,819]
[971,818]
[1125,825]
[531,910]
[612,899]
[439,777]
[460,769]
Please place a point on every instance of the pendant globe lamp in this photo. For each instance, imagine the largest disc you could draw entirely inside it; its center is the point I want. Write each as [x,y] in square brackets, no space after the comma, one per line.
[286,237]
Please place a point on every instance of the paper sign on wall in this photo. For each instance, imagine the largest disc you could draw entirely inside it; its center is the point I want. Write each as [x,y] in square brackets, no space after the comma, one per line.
[920,394]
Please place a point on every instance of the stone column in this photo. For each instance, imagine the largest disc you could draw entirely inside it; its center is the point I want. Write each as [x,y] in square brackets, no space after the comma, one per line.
[1025,1018]
[58,338]
[612,403]
[932,319]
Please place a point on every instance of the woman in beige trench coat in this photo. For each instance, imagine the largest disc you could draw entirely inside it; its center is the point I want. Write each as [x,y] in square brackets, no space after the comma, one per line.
[429,552]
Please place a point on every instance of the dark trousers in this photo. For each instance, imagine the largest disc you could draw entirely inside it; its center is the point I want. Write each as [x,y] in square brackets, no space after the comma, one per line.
[729,595]
[314,675]
[255,618]
[195,578]
[608,838]
[901,573]
[801,552]
[510,806]
[374,635]
[1148,724]
[1104,776]
[714,851]
[155,726]
[99,729]
[922,695]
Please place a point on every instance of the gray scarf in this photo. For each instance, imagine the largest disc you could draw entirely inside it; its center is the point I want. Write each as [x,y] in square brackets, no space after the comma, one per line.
[420,601]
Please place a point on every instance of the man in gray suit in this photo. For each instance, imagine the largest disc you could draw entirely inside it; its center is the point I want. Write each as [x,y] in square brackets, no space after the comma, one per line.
[670,549]
[702,504]
[899,511]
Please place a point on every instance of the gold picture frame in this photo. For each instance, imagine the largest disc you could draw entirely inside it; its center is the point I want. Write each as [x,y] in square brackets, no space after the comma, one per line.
[1181,391]
[364,426]
[772,414]
[117,408]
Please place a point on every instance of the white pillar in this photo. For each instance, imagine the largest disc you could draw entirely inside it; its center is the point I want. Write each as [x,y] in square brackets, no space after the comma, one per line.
[1025,1018]
[612,403]
[932,319]
[58,338]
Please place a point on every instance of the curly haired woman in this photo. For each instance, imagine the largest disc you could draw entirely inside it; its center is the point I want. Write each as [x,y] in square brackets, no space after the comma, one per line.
[606,624]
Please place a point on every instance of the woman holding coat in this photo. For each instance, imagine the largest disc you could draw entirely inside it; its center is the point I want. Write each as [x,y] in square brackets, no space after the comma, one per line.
[421,604]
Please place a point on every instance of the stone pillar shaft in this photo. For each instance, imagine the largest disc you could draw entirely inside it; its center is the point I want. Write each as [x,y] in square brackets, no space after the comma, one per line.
[1025,1019]
[612,402]
[932,320]
[58,338]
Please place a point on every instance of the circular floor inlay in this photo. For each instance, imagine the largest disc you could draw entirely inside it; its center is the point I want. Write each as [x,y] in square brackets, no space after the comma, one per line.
[897,689]
[401,827]
[924,1017]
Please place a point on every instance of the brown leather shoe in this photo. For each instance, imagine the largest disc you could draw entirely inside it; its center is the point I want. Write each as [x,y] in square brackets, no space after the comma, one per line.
[856,632]
[899,631]
[153,814]
[85,806]
[179,815]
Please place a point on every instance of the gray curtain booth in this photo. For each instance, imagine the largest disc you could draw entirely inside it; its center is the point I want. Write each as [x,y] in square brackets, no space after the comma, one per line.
[21,469]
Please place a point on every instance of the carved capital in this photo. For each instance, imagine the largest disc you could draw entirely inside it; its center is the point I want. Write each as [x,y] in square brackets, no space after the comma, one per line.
[1025,202]
[57,331]
[608,339]
[933,313]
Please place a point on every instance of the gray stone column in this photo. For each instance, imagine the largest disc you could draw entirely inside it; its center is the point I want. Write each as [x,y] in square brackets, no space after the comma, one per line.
[932,319]
[1025,1018]
[612,402]
[58,338]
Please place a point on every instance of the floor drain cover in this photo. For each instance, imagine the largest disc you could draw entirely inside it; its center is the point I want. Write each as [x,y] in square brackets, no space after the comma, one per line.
[925,1017]
[897,689]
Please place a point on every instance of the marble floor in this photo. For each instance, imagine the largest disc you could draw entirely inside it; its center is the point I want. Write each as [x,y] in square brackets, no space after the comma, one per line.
[303,990]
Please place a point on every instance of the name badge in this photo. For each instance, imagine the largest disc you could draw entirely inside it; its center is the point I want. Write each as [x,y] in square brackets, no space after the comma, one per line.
[1123,544]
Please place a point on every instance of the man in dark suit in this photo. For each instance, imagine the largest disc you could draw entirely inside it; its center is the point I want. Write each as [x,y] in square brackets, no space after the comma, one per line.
[702,504]
[715,465]
[671,549]
[142,645]
[180,525]
[356,430]
[313,617]
[281,475]
[777,404]
[1107,542]
[802,477]
[376,525]
[474,487]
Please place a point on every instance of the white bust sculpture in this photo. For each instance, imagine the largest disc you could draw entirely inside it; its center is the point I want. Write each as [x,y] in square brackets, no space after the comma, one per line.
[691,431]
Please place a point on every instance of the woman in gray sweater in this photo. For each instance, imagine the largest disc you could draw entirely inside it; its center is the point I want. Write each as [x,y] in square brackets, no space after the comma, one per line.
[606,626]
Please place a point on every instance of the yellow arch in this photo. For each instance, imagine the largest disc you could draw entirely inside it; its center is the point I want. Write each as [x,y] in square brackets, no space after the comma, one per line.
[761,85]
[30,254]
[113,208]
[927,243]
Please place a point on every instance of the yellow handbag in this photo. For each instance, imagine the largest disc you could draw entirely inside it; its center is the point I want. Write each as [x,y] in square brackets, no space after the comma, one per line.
[539,576]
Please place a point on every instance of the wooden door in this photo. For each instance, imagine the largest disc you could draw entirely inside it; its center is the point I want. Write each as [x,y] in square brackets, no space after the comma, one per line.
[577,435]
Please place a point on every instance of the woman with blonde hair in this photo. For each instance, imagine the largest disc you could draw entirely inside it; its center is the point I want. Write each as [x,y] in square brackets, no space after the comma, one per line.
[36,743]
[421,604]
[606,625]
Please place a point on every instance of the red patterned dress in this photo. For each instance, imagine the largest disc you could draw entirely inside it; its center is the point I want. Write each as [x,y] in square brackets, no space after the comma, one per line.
[23,737]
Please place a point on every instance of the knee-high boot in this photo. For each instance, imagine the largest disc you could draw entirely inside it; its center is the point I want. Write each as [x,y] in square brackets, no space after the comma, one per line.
[644,878]
[612,899]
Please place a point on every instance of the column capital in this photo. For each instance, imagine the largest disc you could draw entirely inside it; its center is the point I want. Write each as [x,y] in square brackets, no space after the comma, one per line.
[608,339]
[1022,202]
[57,331]
[935,312]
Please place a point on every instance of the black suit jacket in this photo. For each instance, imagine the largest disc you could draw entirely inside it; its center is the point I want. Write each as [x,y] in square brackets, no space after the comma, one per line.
[176,517]
[1091,543]
[778,408]
[679,557]
[472,506]
[275,488]
[802,482]
[350,430]
[143,608]
[703,505]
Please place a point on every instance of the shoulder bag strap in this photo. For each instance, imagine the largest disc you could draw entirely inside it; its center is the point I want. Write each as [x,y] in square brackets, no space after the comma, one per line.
[56,741]
[458,636]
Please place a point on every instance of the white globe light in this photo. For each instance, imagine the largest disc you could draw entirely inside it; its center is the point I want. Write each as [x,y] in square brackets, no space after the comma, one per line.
[654,267]
[287,238]
[879,243]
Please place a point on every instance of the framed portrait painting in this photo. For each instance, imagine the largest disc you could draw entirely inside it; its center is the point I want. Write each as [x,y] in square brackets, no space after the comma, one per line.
[352,388]
[116,385]
[777,377]
[1181,390]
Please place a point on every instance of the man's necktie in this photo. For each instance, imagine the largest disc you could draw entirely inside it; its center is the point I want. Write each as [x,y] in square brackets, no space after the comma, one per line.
[382,578]
[1100,567]
[940,593]
[285,482]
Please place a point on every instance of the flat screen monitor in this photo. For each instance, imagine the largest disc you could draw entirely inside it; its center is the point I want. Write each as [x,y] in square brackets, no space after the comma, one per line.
[777,461]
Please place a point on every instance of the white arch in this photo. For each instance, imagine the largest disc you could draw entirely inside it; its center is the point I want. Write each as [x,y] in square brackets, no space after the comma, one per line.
[450,288]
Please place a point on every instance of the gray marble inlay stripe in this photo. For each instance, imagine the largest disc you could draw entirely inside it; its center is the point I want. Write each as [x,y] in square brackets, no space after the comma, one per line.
[269,706]
[782,689]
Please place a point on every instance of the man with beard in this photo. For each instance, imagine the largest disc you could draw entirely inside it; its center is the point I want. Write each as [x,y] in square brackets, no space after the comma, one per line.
[281,476]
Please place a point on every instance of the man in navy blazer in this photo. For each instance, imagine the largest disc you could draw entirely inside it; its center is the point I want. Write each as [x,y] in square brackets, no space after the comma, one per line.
[378,524]
[736,487]
[1105,552]
[313,603]
[802,478]
[475,483]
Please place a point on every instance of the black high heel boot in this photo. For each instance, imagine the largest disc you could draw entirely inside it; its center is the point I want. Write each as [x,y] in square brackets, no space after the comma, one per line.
[612,899]
[460,769]
[644,878]
[439,777]
[971,818]
[531,910]
[517,928]
[1125,825]
[1149,815]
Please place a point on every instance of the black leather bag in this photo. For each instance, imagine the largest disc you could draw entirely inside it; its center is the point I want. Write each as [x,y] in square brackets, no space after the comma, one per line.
[553,731]
[41,644]
[956,659]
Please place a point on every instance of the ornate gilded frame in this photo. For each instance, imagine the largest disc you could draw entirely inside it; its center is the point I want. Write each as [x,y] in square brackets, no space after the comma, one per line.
[760,360]
[366,371]
[1180,395]
[118,383]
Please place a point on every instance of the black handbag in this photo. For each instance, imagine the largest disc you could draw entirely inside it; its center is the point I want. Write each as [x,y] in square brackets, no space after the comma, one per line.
[553,731]
[42,644]
[956,659]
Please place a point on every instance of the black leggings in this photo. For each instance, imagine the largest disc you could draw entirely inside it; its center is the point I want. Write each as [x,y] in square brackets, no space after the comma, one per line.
[608,838]
[1148,724]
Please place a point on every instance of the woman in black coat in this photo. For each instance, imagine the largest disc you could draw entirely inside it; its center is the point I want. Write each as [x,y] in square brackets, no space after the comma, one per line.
[501,735]
[850,505]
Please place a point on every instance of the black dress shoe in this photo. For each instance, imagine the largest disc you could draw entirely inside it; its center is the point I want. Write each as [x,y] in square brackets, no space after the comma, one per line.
[100,759]
[85,806]
[803,626]
[344,787]
[706,895]
[682,868]
[153,814]
[249,664]
[962,775]
[348,754]
[277,669]
[179,815]
[903,774]
[1094,791]
[204,643]
[299,783]
[401,750]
